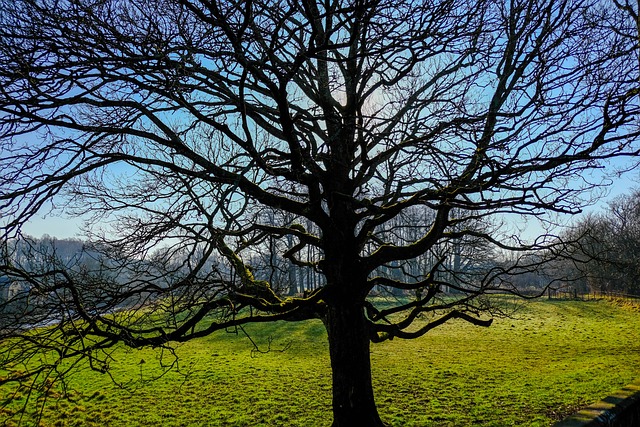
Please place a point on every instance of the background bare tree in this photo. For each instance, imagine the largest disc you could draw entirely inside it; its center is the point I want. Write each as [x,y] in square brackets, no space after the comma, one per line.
[605,248]
[178,126]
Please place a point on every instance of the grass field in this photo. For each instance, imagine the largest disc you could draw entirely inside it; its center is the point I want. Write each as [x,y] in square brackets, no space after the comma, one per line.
[530,370]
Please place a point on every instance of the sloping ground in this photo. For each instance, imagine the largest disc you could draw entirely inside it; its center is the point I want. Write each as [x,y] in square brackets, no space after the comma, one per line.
[533,369]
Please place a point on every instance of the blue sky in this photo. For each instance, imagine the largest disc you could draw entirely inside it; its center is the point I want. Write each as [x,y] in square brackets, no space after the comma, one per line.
[54,226]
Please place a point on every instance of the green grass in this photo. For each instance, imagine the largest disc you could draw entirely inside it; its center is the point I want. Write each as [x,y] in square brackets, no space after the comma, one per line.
[530,370]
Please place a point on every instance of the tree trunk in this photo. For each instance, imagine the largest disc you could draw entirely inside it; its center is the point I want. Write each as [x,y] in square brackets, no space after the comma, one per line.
[353,402]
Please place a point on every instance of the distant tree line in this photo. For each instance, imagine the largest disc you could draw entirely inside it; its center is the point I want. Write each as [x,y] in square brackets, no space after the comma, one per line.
[605,254]
[458,263]
[24,299]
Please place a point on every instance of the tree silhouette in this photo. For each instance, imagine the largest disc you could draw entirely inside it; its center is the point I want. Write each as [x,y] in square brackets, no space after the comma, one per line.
[196,135]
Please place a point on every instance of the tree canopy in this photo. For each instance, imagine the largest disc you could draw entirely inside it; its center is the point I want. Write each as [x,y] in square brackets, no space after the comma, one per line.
[375,145]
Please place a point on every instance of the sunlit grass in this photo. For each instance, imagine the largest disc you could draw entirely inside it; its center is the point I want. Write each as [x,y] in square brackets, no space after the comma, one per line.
[530,370]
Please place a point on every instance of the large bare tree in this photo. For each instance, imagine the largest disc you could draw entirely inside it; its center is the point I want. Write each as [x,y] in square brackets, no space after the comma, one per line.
[219,130]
